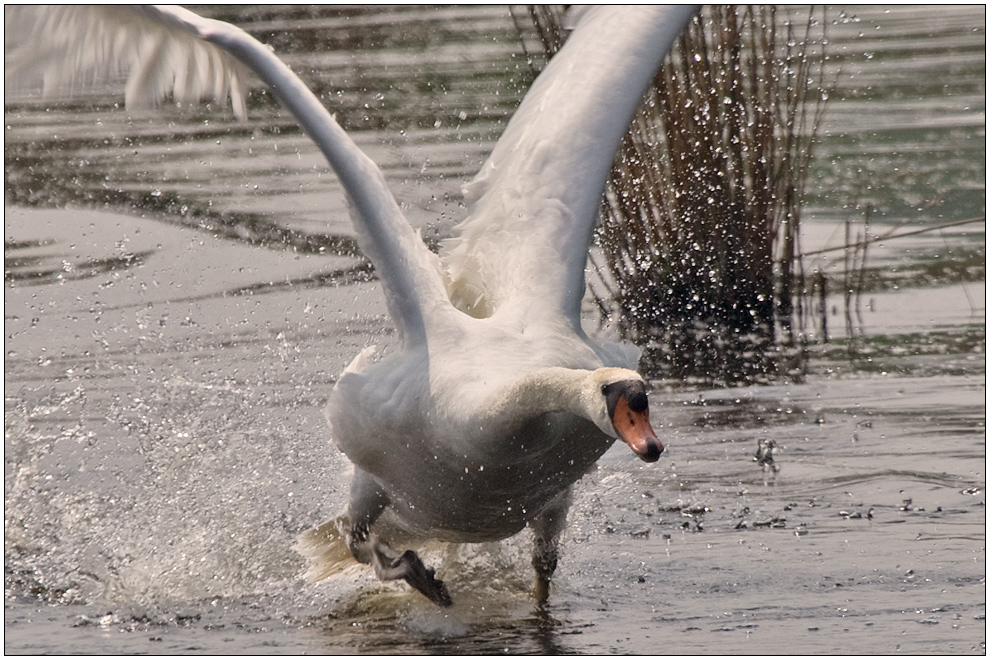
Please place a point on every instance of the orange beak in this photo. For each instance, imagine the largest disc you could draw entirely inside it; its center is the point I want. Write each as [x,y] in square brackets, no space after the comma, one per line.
[635,430]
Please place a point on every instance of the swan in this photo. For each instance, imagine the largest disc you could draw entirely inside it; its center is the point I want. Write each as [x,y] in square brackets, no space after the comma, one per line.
[496,401]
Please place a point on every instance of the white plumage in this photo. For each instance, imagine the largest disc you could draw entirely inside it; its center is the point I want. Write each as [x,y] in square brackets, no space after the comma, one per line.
[496,401]
[69,46]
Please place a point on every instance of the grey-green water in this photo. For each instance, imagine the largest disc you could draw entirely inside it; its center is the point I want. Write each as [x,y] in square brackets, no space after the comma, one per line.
[164,375]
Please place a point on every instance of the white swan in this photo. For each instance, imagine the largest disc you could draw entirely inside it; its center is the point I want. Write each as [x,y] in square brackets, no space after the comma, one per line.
[496,401]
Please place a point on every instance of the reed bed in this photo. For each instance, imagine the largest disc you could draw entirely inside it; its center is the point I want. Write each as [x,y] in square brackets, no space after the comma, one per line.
[697,255]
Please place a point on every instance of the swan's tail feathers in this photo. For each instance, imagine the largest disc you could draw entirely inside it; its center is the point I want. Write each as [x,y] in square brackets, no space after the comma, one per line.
[361,361]
[326,549]
[158,49]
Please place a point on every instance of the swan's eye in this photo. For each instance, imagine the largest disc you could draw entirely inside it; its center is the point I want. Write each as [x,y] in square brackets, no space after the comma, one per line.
[604,390]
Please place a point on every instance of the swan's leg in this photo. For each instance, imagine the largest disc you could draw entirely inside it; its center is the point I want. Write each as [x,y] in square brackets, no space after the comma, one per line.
[368,500]
[547,528]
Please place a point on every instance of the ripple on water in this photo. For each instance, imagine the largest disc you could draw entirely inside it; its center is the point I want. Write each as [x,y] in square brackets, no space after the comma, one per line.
[165,445]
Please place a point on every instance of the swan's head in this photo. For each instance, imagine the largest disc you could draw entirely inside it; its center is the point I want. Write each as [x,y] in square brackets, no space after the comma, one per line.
[625,411]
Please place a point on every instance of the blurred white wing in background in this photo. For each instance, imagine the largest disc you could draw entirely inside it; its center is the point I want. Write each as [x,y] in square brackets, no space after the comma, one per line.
[63,48]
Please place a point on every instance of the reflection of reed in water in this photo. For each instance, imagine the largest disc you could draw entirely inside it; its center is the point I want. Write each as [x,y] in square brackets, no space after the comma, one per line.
[699,227]
[23,264]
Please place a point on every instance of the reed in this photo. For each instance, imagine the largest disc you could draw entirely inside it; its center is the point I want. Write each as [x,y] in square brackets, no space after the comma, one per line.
[698,243]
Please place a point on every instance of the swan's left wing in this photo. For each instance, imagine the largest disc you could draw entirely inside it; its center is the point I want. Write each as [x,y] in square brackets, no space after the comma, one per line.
[522,250]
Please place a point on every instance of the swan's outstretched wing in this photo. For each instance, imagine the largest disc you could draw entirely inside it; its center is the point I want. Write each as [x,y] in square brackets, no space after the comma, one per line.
[66,46]
[410,273]
[523,248]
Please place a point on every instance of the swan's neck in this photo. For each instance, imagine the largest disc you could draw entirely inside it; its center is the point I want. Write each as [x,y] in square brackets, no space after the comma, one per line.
[553,389]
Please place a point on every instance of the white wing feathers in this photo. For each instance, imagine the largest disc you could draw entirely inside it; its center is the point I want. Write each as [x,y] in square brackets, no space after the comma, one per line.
[523,249]
[69,46]
[169,49]
[521,252]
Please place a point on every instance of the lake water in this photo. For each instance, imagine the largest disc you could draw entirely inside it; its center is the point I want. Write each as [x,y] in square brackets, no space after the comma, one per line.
[179,298]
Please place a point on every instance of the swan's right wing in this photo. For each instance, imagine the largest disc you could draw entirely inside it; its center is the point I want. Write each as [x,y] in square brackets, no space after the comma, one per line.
[66,46]
[409,272]
[101,36]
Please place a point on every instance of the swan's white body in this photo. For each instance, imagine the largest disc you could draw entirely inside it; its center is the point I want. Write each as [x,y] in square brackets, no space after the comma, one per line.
[494,404]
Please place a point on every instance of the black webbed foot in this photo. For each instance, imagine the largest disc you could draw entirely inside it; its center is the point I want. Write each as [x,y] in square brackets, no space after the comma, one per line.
[422,579]
[406,566]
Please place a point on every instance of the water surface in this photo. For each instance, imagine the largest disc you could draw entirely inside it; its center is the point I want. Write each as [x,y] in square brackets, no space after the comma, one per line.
[183,293]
